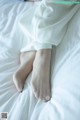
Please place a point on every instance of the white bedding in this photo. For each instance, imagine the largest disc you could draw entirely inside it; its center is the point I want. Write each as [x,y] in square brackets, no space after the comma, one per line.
[65,76]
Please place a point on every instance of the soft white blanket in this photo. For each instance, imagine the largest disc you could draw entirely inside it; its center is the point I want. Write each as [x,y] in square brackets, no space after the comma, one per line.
[65,76]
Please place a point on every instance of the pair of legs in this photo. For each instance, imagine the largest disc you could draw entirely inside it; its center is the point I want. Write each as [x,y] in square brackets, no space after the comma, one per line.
[39,64]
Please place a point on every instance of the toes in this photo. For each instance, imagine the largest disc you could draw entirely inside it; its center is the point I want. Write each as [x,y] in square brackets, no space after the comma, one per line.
[36,94]
[19,88]
[18,83]
[45,96]
[35,90]
[48,96]
[46,99]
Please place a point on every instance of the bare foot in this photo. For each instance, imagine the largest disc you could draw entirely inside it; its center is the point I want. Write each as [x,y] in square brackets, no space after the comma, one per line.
[19,77]
[41,75]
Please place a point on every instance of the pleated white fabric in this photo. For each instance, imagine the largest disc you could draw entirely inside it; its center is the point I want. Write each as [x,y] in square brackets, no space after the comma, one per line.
[46,24]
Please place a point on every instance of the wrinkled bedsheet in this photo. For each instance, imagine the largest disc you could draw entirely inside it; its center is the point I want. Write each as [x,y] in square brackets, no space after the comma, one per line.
[65,71]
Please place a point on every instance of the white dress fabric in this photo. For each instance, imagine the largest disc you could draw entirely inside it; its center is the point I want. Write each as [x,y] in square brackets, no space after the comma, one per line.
[46,24]
[65,70]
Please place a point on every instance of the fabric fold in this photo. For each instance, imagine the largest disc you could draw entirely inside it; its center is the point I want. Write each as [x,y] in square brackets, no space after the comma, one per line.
[46,23]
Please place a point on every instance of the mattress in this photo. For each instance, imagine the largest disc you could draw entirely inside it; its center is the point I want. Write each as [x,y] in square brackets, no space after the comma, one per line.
[65,67]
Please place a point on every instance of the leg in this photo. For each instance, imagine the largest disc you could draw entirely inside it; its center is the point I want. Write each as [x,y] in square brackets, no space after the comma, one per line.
[19,77]
[41,75]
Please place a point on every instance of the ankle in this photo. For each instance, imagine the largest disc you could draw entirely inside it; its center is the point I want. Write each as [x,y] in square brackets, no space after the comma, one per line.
[44,53]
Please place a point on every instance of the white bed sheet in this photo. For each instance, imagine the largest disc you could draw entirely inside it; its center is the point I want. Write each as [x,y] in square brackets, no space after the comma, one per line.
[65,77]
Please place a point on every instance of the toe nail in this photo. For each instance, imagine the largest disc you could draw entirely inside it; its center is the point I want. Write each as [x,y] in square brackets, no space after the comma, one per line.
[20,90]
[47,97]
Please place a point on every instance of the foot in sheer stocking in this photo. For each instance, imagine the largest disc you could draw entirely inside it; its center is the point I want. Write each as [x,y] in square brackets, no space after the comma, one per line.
[19,77]
[41,75]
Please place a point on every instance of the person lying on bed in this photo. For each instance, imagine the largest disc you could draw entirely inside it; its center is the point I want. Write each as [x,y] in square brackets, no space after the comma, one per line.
[39,62]
[50,31]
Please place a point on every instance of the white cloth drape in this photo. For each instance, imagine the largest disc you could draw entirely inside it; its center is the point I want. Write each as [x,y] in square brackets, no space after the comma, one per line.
[49,21]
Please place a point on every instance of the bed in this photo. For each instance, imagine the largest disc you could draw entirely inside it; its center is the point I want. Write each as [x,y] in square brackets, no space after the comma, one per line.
[65,76]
